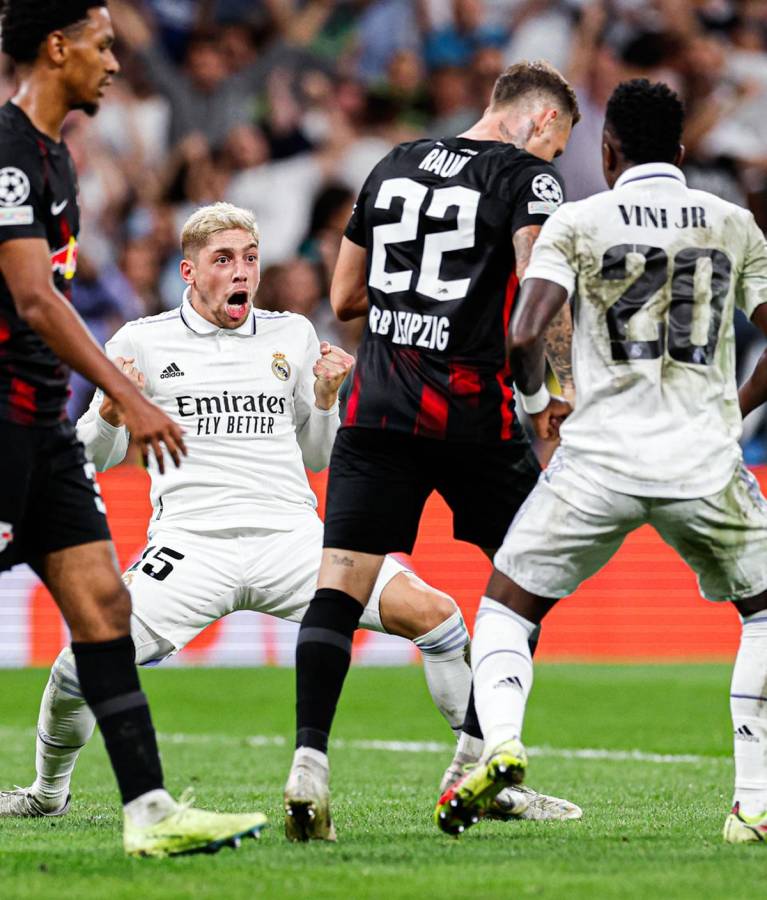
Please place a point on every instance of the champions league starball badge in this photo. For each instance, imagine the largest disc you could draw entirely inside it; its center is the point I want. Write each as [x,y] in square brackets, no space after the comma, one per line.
[547,188]
[280,367]
[14,186]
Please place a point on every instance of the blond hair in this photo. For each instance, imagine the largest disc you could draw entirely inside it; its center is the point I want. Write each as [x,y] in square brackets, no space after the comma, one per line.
[209,220]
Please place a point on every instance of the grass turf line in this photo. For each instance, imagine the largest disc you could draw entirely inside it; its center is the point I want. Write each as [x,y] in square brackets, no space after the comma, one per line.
[650,830]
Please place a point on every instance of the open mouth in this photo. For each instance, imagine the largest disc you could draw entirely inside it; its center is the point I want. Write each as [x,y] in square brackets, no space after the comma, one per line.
[237,305]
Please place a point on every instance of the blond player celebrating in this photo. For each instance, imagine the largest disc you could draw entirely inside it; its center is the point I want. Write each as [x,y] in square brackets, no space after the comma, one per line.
[256,394]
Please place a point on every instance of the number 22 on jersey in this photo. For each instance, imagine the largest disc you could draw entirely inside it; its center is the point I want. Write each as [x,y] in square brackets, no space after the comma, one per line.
[462,237]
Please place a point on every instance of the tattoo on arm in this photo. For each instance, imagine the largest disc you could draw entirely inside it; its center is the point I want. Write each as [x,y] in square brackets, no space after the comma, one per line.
[523,241]
[558,338]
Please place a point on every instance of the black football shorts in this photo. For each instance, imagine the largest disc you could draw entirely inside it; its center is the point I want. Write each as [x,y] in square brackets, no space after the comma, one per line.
[379,481]
[49,499]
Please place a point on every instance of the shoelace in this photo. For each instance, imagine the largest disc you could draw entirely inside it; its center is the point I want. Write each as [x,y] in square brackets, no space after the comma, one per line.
[185,802]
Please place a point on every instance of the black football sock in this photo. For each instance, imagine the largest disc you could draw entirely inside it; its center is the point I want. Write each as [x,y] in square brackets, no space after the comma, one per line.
[323,655]
[110,685]
[471,724]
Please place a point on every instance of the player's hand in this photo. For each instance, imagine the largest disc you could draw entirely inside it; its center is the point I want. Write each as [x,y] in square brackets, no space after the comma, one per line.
[109,410]
[546,423]
[150,428]
[330,371]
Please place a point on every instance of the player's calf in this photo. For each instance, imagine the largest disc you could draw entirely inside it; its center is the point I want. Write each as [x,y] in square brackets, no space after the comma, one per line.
[413,609]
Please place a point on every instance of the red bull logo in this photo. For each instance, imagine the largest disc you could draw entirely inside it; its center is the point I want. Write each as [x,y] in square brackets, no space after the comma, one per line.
[6,535]
[64,260]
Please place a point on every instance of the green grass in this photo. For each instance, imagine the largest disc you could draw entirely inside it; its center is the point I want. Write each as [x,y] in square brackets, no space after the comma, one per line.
[650,829]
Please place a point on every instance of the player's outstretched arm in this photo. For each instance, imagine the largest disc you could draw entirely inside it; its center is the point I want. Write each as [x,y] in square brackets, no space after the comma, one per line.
[25,266]
[538,303]
[348,291]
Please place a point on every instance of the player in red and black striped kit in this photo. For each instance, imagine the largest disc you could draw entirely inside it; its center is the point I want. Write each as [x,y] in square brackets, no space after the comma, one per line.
[51,515]
[440,235]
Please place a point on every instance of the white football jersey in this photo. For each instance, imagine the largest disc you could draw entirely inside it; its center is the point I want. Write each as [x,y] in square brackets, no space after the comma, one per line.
[654,270]
[245,398]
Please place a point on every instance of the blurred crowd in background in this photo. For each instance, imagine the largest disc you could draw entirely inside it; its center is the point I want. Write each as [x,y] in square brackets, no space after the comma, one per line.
[283,106]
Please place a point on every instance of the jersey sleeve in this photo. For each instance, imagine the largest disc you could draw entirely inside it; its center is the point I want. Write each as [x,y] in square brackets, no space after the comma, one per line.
[553,256]
[105,444]
[315,428]
[355,229]
[536,192]
[21,192]
[751,287]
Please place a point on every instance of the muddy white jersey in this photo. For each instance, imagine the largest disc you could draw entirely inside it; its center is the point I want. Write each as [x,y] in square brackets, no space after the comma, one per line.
[245,399]
[654,270]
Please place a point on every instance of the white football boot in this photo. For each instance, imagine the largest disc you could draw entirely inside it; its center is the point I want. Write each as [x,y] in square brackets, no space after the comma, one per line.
[307,799]
[21,803]
[517,802]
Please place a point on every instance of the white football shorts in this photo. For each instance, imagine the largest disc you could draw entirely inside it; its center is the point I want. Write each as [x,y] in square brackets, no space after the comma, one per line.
[570,526]
[186,580]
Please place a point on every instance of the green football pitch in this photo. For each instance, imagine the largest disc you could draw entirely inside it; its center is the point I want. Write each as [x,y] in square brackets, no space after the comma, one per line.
[644,749]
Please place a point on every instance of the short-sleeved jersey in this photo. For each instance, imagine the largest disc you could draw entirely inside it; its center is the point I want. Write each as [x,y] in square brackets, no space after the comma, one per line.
[437,219]
[655,270]
[38,199]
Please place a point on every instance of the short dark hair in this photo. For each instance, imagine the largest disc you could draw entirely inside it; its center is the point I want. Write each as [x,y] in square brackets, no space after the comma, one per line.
[647,119]
[26,24]
[536,77]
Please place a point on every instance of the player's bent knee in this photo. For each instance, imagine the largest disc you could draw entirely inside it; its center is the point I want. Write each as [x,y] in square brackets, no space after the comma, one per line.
[411,608]
[438,609]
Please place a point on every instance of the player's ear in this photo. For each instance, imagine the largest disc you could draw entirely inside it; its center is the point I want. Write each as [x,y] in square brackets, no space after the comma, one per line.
[55,46]
[609,159]
[680,153]
[187,269]
[547,119]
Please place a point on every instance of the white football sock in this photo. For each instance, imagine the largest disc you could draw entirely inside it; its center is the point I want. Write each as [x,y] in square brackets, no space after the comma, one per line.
[65,724]
[469,748]
[748,705]
[447,673]
[150,808]
[503,671]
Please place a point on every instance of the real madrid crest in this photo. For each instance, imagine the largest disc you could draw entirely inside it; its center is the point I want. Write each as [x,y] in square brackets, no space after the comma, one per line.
[280,367]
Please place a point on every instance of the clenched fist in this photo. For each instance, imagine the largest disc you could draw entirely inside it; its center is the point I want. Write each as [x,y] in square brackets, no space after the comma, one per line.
[110,411]
[330,371]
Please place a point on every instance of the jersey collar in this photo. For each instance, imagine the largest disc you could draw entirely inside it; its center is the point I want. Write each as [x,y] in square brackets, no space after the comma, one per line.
[647,171]
[195,322]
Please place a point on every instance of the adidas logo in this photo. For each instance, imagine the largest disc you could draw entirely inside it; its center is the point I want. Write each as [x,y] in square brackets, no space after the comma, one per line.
[744,733]
[172,371]
[511,681]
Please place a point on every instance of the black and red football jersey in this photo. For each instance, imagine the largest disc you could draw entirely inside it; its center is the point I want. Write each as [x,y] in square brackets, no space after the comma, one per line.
[38,199]
[437,218]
